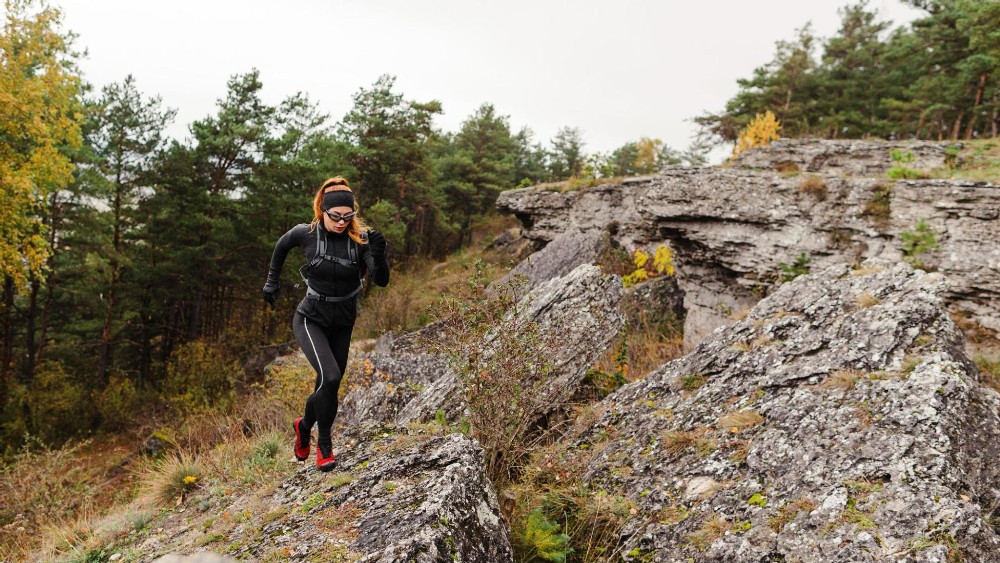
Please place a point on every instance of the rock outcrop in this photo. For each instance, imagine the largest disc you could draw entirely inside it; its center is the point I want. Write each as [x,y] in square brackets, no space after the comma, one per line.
[839,421]
[734,229]
[403,494]
[578,313]
[845,158]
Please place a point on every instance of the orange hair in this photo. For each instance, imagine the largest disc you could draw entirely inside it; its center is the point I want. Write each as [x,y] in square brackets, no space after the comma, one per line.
[338,184]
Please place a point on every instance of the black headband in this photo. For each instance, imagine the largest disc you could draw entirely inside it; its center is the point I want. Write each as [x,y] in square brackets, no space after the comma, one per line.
[338,198]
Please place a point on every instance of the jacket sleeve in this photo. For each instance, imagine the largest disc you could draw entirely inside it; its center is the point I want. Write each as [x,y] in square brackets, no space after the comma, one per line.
[378,270]
[288,241]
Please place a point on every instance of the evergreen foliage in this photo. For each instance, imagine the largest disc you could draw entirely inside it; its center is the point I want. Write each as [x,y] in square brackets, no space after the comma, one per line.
[934,79]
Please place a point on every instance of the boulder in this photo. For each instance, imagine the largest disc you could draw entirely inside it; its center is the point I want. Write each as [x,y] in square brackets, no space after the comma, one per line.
[578,313]
[560,257]
[399,495]
[841,420]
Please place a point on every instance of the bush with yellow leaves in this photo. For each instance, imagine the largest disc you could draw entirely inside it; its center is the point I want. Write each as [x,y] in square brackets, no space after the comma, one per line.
[760,132]
[662,264]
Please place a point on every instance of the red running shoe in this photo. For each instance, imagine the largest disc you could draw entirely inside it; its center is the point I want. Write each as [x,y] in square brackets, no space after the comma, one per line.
[327,462]
[301,452]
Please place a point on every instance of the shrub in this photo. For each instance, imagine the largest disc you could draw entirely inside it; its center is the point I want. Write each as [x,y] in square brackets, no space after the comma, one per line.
[541,540]
[58,402]
[662,264]
[119,403]
[502,363]
[199,377]
[761,131]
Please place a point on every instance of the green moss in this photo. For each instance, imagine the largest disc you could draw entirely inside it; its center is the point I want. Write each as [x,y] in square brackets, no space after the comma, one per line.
[693,381]
[758,499]
[312,502]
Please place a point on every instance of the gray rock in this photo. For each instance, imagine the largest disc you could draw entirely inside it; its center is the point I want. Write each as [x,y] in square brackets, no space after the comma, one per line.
[559,257]
[731,229]
[841,420]
[578,313]
[398,494]
[848,157]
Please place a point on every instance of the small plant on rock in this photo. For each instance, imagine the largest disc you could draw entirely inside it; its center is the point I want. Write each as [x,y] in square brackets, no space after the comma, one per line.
[918,243]
[814,186]
[799,267]
[541,540]
[900,170]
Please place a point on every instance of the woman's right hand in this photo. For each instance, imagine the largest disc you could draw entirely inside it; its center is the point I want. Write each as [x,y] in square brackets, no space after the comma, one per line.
[271,292]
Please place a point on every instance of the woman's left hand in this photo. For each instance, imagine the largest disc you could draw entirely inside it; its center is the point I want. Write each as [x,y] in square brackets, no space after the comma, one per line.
[376,241]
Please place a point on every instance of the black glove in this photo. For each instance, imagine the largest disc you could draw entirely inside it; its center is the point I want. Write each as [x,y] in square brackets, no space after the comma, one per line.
[271,292]
[376,242]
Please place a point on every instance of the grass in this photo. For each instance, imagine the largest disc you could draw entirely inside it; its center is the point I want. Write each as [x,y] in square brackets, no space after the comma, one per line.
[978,160]
[405,304]
[866,300]
[789,511]
[737,421]
[842,379]
[574,184]
[878,207]
[173,478]
[676,442]
[814,186]
[710,530]
[989,369]
[44,487]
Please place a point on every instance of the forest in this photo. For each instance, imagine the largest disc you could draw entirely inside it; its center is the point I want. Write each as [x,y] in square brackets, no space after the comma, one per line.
[132,262]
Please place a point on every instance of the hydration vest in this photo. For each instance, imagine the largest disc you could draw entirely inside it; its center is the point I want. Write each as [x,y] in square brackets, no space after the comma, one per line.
[350,262]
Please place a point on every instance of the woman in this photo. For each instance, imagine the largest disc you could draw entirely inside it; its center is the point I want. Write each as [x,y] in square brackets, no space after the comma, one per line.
[338,249]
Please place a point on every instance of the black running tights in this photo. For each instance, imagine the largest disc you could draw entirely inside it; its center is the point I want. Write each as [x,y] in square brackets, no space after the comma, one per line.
[326,349]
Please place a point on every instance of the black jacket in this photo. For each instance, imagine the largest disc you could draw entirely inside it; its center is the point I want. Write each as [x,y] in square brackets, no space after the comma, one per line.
[328,278]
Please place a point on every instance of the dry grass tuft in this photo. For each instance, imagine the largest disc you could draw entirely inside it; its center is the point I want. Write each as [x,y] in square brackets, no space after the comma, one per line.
[711,530]
[676,442]
[814,186]
[866,300]
[789,511]
[171,479]
[738,421]
[842,379]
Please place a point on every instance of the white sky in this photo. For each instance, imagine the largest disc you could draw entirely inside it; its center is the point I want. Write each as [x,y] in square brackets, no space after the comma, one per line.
[617,70]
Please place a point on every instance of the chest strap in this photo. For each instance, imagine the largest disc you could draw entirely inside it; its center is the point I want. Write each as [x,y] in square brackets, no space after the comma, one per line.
[313,294]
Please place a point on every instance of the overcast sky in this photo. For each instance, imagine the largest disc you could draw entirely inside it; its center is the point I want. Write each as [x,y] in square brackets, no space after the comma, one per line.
[617,70]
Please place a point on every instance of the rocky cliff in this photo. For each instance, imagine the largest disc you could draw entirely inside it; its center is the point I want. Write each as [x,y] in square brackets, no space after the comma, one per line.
[733,229]
[839,421]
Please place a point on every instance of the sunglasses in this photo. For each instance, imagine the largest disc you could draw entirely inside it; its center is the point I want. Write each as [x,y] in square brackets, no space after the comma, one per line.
[337,217]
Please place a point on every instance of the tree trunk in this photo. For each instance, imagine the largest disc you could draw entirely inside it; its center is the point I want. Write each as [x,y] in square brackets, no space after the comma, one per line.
[29,332]
[979,100]
[958,125]
[6,338]
[104,362]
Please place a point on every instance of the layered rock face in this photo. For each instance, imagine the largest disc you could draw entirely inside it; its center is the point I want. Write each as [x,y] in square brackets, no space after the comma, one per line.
[839,421]
[846,158]
[404,494]
[732,229]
